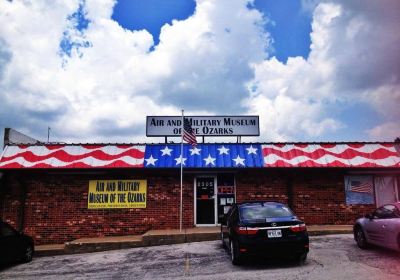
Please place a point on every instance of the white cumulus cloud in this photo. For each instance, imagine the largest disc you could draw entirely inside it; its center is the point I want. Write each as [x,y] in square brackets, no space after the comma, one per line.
[354,59]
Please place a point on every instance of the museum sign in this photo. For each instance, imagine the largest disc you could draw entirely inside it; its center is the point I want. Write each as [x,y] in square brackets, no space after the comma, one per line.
[204,125]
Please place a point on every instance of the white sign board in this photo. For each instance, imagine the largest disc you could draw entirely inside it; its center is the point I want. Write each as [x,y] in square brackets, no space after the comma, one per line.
[204,125]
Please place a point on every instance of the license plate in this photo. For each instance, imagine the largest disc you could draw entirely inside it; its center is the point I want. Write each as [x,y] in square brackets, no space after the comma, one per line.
[274,233]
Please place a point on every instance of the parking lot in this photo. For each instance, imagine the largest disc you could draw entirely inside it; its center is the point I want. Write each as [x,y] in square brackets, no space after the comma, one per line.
[331,257]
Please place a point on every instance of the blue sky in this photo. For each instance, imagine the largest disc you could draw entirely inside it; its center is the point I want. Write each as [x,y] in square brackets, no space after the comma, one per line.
[288,23]
[313,70]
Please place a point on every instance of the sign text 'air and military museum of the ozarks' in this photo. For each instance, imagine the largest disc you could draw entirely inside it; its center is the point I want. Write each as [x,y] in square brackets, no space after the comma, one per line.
[204,125]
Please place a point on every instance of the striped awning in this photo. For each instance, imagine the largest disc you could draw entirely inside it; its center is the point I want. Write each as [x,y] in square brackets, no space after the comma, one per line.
[215,155]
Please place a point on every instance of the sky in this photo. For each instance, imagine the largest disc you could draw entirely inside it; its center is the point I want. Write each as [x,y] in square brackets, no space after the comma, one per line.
[93,70]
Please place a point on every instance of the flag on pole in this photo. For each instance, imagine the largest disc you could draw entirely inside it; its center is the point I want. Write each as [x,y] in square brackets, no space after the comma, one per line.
[188,133]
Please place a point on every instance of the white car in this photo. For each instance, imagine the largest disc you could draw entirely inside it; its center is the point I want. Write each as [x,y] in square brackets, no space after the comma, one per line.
[381,228]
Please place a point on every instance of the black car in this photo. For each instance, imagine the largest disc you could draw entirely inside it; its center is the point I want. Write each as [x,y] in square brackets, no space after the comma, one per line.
[256,228]
[14,245]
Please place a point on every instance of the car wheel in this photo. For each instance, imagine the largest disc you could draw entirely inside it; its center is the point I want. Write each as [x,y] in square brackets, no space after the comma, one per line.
[236,257]
[28,254]
[360,238]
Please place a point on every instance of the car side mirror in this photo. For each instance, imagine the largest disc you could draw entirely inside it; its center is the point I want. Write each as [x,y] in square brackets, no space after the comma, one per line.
[369,216]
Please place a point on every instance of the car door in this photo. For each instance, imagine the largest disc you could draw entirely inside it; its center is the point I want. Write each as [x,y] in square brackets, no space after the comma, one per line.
[374,227]
[224,226]
[232,222]
[390,226]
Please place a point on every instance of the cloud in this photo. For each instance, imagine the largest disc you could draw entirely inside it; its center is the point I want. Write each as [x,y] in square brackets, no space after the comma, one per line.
[99,81]
[354,59]
[386,131]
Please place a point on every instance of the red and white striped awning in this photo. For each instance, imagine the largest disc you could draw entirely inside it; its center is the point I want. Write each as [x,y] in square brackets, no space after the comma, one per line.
[72,156]
[346,155]
[331,155]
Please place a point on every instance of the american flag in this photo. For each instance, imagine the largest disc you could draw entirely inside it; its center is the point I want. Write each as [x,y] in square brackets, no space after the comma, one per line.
[188,133]
[361,187]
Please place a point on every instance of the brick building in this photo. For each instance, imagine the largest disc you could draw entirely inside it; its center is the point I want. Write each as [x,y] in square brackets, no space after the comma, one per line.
[60,192]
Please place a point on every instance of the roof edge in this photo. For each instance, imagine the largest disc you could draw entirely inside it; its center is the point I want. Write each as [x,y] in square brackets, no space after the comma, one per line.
[178,143]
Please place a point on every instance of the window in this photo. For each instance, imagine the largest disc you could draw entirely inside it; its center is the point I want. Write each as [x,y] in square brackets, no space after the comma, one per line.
[386,212]
[264,211]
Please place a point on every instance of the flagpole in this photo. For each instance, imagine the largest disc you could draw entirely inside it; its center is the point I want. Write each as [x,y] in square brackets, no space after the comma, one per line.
[180,212]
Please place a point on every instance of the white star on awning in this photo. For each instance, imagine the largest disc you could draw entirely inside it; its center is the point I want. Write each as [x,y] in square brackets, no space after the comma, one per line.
[209,160]
[251,150]
[223,150]
[195,151]
[179,160]
[150,160]
[238,160]
[166,151]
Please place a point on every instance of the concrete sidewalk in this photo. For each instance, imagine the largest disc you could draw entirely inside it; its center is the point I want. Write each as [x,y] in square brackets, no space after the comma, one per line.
[158,237]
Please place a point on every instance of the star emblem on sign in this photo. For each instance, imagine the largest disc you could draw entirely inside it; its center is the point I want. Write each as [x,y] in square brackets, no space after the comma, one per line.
[238,160]
[209,160]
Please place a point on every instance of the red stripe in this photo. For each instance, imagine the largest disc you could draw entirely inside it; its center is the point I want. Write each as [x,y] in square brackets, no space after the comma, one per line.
[327,145]
[54,147]
[301,145]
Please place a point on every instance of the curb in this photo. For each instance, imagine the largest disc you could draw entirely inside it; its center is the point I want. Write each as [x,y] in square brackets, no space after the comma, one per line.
[147,240]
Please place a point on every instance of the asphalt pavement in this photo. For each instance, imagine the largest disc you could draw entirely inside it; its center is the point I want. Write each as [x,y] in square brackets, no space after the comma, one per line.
[330,257]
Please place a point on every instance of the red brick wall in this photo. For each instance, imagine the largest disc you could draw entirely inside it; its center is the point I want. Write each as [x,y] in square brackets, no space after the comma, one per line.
[56,204]
[318,196]
[261,185]
[56,207]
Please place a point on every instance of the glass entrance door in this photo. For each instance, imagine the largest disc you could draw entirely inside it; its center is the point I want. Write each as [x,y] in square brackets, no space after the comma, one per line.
[205,200]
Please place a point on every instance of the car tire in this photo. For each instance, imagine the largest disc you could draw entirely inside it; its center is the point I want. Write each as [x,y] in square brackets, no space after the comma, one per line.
[28,254]
[360,238]
[236,256]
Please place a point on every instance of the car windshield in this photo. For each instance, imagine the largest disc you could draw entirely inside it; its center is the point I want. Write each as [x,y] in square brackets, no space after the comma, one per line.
[263,211]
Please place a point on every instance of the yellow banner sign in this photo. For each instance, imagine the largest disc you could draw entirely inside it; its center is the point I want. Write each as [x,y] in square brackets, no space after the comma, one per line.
[117,194]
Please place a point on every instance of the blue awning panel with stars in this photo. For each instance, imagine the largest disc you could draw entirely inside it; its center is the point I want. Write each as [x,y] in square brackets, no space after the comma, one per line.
[203,156]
